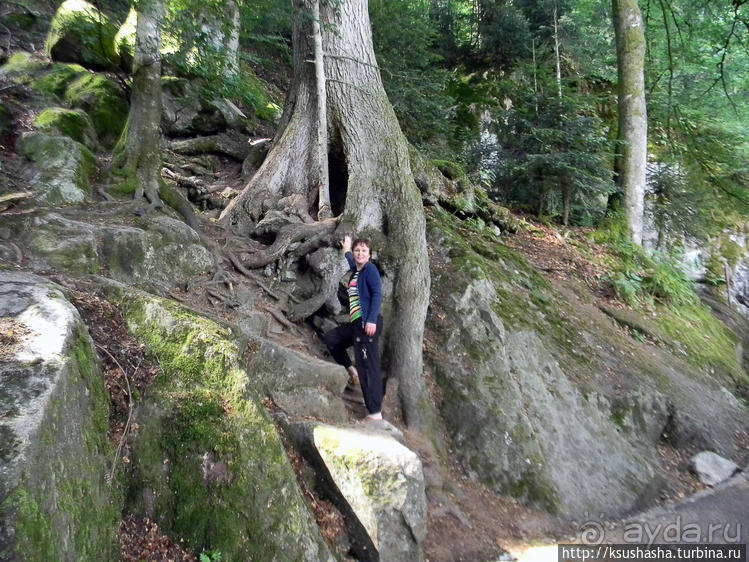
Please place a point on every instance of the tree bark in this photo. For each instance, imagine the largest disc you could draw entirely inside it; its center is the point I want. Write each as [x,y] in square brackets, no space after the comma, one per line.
[141,140]
[633,122]
[375,188]
[556,51]
[321,154]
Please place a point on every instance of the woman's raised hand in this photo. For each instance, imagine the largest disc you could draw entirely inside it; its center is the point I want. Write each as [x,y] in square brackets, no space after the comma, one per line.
[346,243]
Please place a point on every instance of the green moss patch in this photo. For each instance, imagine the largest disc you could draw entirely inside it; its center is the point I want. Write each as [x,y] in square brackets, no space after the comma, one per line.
[208,453]
[55,80]
[105,103]
[65,167]
[704,341]
[72,123]
[22,63]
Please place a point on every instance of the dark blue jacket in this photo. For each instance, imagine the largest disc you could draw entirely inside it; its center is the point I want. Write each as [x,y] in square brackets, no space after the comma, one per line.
[370,289]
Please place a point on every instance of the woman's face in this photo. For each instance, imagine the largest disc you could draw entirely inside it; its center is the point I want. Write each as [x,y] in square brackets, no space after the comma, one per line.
[361,254]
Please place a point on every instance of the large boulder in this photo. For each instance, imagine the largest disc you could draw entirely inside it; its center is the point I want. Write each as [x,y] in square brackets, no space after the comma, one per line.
[376,481]
[72,123]
[155,253]
[209,464]
[539,387]
[80,33]
[55,502]
[279,369]
[63,168]
[105,103]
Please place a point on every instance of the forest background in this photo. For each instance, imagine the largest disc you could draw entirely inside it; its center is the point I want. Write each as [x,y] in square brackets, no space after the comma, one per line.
[522,95]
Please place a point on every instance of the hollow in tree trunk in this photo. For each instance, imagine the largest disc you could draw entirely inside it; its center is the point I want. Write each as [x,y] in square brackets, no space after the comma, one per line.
[371,180]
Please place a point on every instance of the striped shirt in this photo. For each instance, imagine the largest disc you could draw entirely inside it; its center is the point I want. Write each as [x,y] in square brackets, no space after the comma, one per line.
[353,298]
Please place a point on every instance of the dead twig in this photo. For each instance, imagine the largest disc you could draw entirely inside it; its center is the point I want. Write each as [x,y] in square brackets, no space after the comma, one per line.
[110,479]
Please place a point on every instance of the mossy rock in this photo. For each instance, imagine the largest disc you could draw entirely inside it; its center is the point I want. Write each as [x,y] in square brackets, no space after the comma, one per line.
[451,170]
[80,33]
[72,123]
[25,21]
[56,80]
[21,67]
[124,41]
[105,103]
[55,501]
[210,466]
[65,167]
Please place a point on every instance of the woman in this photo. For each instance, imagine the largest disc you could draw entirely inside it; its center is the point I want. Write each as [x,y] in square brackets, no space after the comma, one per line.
[364,327]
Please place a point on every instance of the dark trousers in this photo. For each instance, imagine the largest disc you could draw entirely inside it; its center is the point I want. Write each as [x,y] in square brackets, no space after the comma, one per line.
[366,355]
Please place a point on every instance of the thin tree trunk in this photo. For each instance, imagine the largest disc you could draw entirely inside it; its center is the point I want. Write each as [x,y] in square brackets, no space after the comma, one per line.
[633,121]
[324,209]
[142,135]
[556,51]
[535,79]
[232,42]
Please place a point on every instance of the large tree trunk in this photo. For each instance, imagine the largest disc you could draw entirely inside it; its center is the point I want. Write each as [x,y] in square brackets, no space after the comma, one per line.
[631,165]
[139,149]
[371,179]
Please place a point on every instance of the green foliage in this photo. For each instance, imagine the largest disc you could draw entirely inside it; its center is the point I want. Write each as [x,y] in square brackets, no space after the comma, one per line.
[701,183]
[198,49]
[403,36]
[556,157]
[81,33]
[640,277]
[505,34]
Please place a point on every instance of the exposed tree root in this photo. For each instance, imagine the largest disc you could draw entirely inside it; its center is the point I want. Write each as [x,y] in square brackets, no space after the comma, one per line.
[286,236]
[258,281]
[279,316]
[330,267]
[10,199]
[224,143]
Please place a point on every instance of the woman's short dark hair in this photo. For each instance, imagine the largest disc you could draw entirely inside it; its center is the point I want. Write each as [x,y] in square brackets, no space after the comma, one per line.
[366,241]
